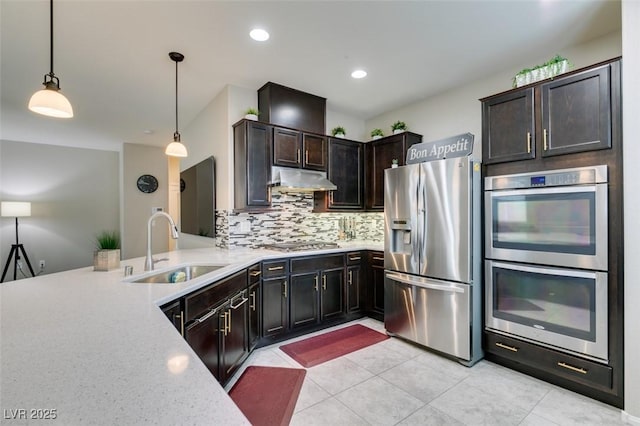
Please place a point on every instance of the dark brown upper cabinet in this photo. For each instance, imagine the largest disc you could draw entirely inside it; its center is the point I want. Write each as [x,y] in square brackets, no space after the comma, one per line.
[284,106]
[576,113]
[252,164]
[567,115]
[380,153]
[292,148]
[508,131]
[346,170]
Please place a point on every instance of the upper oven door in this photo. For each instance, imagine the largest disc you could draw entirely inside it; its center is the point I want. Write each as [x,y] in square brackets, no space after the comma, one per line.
[562,226]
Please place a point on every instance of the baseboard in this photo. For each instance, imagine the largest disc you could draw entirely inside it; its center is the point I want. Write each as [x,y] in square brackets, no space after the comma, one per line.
[628,418]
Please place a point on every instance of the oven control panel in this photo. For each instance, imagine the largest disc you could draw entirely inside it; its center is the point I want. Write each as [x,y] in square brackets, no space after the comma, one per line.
[564,177]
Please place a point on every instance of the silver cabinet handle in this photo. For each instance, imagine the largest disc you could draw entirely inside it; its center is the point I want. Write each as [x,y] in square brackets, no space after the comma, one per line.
[378,258]
[244,300]
[206,316]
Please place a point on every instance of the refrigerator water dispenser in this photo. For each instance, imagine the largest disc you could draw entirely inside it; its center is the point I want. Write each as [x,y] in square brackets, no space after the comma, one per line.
[401,241]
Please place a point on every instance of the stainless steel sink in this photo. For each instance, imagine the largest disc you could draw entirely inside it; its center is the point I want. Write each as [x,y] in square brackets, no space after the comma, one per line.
[190,272]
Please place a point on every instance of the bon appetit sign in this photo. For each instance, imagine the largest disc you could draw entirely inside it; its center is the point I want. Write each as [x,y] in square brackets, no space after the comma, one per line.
[452,147]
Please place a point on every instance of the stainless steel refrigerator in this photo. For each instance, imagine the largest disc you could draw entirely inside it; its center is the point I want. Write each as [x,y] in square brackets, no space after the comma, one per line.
[433,280]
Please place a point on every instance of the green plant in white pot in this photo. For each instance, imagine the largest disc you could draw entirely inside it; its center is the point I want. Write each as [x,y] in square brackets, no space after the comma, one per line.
[107,254]
[399,127]
[251,114]
[377,133]
[338,132]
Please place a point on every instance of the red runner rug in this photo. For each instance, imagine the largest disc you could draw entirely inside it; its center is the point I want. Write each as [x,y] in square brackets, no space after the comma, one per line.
[268,395]
[325,347]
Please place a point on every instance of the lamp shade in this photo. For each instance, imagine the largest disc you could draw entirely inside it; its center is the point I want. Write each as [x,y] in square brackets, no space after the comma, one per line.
[176,149]
[52,103]
[15,208]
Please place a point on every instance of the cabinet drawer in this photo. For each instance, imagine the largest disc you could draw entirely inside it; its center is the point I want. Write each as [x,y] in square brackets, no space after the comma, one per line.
[376,258]
[255,271]
[354,258]
[557,363]
[316,263]
[275,268]
[209,297]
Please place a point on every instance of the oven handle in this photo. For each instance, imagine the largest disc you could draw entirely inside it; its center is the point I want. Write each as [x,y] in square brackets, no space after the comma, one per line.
[452,288]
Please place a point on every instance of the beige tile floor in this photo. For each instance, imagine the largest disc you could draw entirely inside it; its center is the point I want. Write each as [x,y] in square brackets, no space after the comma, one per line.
[395,383]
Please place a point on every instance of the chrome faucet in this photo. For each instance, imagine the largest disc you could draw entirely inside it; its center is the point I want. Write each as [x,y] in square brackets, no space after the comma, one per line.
[149,261]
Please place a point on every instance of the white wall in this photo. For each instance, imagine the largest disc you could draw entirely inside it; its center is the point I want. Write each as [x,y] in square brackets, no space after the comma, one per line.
[138,160]
[74,194]
[631,128]
[353,126]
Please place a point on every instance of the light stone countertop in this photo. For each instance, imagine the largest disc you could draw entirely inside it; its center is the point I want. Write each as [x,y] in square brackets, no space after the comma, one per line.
[98,350]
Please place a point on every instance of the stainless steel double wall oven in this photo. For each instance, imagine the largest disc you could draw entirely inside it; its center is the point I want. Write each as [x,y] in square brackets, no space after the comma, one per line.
[547,259]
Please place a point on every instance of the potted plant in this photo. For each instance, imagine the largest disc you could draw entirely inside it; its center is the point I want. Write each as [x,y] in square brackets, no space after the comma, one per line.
[551,68]
[377,133]
[251,114]
[338,132]
[398,127]
[394,163]
[107,254]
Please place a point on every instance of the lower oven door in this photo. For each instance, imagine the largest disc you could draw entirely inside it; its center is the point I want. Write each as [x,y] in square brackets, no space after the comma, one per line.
[433,313]
[564,309]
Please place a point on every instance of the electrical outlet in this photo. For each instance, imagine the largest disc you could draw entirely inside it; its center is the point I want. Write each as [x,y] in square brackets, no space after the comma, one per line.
[42,264]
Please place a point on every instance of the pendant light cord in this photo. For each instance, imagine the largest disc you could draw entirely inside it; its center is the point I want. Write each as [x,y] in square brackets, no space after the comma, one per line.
[178,134]
[51,35]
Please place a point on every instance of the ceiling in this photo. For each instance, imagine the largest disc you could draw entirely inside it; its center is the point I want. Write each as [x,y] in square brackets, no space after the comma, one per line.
[112,59]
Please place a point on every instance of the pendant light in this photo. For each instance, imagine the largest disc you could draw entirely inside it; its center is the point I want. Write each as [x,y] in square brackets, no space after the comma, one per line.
[176,148]
[49,101]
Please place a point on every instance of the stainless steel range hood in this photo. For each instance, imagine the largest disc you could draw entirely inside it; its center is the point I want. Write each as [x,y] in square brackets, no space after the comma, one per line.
[301,179]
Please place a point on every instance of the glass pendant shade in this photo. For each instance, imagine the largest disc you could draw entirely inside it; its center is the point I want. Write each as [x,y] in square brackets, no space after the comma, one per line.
[51,102]
[176,149]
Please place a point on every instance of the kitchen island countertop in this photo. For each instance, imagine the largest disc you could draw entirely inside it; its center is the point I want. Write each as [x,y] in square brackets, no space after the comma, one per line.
[85,347]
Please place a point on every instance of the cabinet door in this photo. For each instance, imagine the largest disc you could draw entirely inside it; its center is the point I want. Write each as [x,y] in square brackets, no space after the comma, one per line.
[381,153]
[203,335]
[274,306]
[286,147]
[304,299]
[254,314]
[234,336]
[314,148]
[508,127]
[576,113]
[346,170]
[332,296]
[376,284]
[175,314]
[252,164]
[354,283]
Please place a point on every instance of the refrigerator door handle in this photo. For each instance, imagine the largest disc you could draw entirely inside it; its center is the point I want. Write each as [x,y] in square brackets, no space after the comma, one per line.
[452,288]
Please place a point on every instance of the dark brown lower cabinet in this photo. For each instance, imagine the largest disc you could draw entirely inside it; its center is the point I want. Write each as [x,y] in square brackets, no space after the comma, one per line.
[255,304]
[175,314]
[375,286]
[234,348]
[203,335]
[571,372]
[275,318]
[354,283]
[332,294]
[218,333]
[304,299]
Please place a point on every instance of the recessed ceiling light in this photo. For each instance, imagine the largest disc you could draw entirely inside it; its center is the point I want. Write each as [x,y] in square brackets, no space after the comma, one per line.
[259,34]
[359,74]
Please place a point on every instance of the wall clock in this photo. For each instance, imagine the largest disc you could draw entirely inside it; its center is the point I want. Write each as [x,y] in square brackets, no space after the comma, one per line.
[147,183]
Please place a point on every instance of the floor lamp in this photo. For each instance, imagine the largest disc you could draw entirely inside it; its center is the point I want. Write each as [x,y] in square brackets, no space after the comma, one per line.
[15,209]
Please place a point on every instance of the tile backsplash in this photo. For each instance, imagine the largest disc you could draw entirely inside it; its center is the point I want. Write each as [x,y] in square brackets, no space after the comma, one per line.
[291,219]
